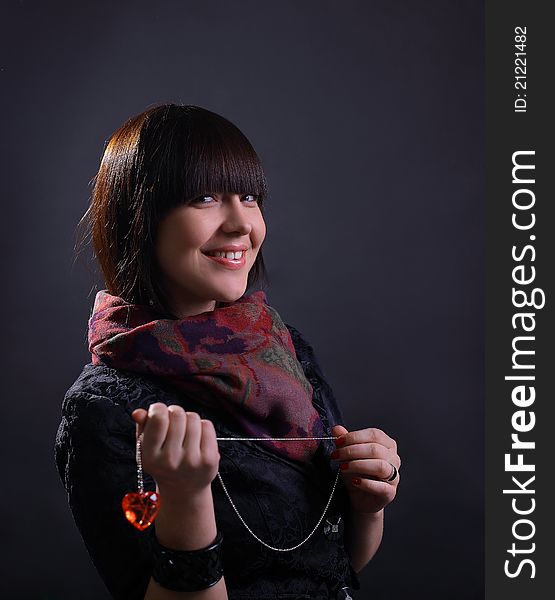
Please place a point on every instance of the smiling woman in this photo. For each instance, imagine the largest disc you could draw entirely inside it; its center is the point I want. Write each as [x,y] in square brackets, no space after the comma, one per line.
[194,375]
[148,218]
[187,239]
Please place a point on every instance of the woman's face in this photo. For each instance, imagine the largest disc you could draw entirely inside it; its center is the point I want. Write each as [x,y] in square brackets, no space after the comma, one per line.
[193,279]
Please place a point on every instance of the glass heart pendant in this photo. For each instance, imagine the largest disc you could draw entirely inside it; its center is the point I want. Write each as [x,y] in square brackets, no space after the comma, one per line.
[141,508]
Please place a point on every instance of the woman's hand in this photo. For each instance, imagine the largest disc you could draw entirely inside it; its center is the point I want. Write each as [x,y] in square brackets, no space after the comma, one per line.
[369,456]
[179,449]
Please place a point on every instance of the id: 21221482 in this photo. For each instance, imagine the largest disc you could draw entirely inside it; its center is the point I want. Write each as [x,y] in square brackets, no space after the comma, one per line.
[520,69]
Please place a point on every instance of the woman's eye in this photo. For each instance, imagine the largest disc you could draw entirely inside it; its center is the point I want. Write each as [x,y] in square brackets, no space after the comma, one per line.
[205,199]
[200,199]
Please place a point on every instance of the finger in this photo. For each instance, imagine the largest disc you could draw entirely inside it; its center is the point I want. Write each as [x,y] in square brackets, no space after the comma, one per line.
[176,426]
[377,488]
[370,434]
[173,444]
[338,430]
[366,450]
[208,441]
[139,415]
[155,428]
[191,444]
[370,467]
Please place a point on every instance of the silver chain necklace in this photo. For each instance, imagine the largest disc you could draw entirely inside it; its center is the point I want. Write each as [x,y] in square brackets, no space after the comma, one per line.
[239,514]
[249,439]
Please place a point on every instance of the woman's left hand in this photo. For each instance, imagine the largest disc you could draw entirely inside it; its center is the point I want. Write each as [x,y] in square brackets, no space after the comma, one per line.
[369,456]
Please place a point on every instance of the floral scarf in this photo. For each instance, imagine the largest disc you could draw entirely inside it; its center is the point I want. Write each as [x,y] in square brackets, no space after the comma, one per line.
[238,358]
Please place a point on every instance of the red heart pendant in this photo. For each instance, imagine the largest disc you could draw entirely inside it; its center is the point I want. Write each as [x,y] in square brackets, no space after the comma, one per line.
[140,509]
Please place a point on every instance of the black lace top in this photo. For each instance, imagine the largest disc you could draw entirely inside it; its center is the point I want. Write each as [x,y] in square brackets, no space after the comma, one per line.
[280,500]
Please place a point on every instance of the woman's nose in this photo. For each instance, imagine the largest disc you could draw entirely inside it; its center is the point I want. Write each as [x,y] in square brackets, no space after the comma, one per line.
[237,216]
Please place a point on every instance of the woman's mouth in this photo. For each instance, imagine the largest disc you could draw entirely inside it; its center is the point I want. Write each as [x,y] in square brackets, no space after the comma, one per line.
[230,260]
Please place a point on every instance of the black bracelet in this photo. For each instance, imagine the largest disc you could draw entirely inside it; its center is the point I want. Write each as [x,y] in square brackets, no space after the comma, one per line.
[187,570]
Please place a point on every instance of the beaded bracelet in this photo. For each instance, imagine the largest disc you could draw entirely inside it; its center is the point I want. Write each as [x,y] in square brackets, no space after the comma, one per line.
[187,570]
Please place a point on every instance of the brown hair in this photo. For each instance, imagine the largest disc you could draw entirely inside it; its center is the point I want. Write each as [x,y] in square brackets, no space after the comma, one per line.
[157,160]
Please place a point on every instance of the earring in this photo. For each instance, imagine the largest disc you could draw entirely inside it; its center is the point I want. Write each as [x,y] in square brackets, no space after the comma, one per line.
[140,508]
[151,302]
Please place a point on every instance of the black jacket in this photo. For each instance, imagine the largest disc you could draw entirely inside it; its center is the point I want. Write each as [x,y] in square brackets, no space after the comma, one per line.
[280,500]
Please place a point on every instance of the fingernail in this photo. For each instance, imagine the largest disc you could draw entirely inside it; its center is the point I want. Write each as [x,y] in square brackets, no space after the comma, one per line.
[339,442]
[344,466]
[334,454]
[356,480]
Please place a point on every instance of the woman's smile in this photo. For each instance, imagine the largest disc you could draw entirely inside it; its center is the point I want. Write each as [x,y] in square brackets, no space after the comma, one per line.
[229,260]
[231,256]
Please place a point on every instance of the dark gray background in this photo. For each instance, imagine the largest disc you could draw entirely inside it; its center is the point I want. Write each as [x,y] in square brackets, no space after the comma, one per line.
[368,117]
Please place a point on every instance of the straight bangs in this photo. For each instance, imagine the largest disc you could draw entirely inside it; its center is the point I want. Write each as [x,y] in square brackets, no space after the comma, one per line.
[194,152]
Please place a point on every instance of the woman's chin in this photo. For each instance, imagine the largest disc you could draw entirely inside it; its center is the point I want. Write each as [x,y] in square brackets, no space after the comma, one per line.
[231,295]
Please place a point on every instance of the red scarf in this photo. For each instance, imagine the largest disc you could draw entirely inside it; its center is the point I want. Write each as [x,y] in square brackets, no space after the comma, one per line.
[238,358]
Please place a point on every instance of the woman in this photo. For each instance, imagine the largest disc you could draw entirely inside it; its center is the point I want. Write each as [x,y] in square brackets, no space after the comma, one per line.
[183,356]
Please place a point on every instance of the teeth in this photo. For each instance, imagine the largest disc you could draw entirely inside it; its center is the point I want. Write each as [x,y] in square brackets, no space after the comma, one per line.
[231,255]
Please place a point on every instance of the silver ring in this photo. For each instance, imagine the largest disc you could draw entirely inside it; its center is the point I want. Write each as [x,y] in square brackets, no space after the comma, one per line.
[393,475]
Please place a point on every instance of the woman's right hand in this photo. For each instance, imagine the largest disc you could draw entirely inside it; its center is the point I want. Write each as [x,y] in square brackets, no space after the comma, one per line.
[179,449]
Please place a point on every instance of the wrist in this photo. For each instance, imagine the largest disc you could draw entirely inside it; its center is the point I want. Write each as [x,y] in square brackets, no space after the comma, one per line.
[186,522]
[368,516]
[174,496]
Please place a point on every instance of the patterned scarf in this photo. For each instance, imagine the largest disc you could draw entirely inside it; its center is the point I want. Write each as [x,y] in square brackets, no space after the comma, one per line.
[238,358]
